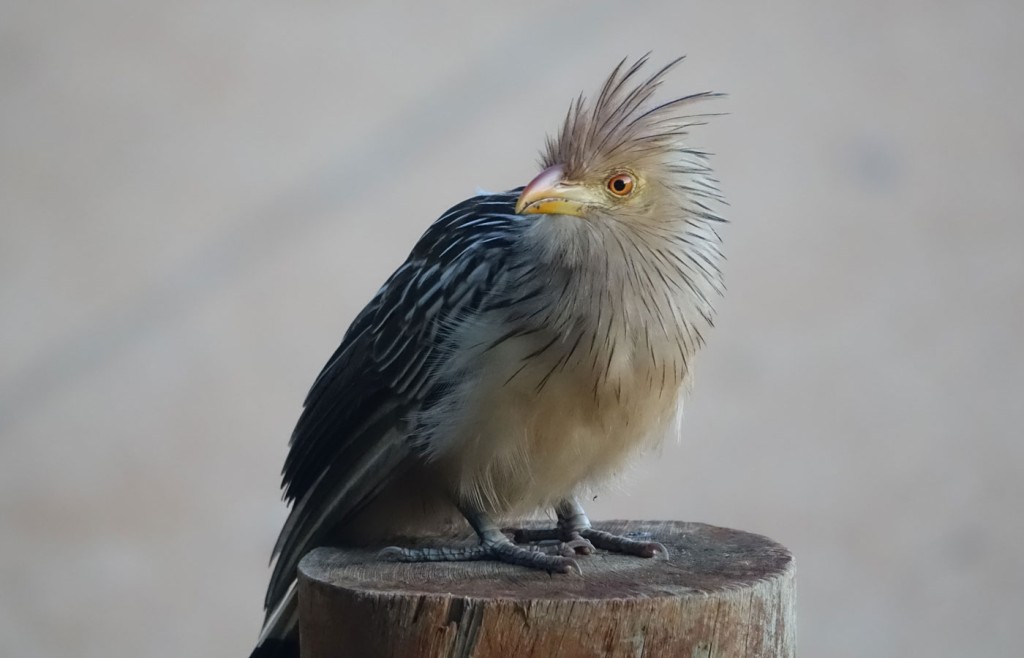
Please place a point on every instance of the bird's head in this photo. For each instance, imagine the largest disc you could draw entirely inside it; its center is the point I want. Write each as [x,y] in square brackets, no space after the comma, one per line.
[621,158]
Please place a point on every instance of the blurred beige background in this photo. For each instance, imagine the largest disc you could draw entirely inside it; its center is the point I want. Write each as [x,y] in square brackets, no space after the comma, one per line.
[197,197]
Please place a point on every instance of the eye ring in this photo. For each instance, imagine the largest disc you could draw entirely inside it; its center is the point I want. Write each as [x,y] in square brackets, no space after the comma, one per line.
[621,185]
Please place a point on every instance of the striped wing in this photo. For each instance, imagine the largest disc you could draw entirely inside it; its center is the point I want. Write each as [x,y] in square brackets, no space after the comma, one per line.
[352,437]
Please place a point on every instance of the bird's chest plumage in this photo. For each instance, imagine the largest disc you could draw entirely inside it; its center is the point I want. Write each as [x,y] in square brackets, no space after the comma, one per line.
[529,418]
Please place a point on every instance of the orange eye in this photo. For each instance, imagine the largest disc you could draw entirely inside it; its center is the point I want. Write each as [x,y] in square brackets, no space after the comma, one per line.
[620,184]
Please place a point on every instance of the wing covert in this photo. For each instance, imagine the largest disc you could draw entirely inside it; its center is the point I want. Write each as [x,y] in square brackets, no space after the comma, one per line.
[349,440]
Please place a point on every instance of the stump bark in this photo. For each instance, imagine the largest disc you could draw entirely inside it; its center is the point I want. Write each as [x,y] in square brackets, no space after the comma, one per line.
[721,594]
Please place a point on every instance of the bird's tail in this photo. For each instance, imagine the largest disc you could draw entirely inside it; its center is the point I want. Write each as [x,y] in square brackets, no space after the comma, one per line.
[280,635]
[277,649]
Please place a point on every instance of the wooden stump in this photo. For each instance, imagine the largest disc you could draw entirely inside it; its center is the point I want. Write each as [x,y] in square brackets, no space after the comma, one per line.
[721,594]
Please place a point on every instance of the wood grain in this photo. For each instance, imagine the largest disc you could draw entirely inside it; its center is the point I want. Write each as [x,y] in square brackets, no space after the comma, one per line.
[722,593]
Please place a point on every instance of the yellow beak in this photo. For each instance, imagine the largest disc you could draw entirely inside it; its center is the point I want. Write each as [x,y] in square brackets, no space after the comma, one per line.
[549,194]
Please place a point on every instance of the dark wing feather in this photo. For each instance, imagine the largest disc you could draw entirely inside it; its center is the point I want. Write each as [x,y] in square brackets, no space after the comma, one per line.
[351,437]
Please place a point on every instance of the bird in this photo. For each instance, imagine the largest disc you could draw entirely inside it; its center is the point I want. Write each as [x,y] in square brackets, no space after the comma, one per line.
[534,341]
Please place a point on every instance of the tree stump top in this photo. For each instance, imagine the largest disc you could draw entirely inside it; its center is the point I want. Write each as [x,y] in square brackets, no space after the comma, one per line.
[703,559]
[721,594]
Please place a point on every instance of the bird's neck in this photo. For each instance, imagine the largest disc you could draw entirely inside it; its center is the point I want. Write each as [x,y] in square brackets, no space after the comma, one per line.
[646,289]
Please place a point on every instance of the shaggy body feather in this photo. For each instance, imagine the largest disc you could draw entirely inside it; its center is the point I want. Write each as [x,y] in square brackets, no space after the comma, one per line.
[590,371]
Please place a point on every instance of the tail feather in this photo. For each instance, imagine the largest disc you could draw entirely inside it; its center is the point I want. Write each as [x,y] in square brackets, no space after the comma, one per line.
[280,635]
[276,649]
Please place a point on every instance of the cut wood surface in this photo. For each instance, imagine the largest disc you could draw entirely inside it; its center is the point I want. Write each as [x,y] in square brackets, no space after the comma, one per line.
[721,593]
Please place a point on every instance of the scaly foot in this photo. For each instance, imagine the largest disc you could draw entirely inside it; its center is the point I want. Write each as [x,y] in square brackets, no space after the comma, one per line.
[499,550]
[574,532]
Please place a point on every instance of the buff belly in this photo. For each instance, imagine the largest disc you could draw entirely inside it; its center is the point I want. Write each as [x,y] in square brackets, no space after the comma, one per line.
[512,438]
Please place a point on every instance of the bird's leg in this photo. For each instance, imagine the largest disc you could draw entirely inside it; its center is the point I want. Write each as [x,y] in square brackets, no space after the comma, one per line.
[575,531]
[565,535]
[494,545]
